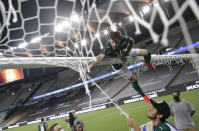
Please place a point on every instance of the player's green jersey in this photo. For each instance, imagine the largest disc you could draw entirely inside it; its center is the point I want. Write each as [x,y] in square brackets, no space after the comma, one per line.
[42,127]
[67,120]
[162,127]
[122,48]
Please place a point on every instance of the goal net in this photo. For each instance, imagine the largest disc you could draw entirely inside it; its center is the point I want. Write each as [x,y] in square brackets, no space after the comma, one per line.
[70,33]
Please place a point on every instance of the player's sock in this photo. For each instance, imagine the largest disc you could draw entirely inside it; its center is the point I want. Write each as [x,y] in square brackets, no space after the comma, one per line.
[139,90]
[147,58]
[147,61]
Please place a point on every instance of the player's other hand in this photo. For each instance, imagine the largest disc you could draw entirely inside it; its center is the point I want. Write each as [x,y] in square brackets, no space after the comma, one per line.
[88,68]
[130,121]
[124,58]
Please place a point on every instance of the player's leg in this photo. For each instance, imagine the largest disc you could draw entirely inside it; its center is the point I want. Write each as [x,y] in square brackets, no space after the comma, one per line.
[126,73]
[146,54]
[136,86]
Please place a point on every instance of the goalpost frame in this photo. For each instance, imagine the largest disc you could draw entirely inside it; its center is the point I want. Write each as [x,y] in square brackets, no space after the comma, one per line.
[47,62]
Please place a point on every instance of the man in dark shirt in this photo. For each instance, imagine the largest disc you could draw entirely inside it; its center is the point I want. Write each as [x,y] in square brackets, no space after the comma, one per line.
[158,114]
[42,126]
[121,46]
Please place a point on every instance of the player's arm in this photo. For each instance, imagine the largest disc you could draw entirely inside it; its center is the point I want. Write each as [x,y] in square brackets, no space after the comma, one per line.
[191,108]
[99,58]
[129,47]
[172,114]
[132,124]
[38,128]
[47,127]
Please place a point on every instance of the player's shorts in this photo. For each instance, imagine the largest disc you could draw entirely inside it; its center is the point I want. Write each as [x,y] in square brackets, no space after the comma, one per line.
[123,71]
[134,52]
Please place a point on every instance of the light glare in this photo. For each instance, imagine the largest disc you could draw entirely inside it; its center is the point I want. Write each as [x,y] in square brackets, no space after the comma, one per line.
[83,42]
[35,40]
[114,27]
[23,45]
[131,18]
[146,9]
[97,35]
[76,45]
[105,32]
[75,17]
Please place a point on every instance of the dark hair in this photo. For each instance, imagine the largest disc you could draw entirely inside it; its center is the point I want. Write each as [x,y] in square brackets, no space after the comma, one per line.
[77,124]
[71,119]
[175,91]
[116,34]
[162,108]
[164,117]
[42,119]
[52,127]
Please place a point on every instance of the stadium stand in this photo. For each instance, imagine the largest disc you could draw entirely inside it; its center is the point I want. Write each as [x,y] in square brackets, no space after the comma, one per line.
[188,74]
[116,87]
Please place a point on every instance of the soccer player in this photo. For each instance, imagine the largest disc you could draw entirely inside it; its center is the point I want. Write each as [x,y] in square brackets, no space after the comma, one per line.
[42,126]
[121,46]
[158,115]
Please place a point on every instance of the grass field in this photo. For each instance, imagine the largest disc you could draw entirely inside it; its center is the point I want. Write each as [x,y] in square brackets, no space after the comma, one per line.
[111,120]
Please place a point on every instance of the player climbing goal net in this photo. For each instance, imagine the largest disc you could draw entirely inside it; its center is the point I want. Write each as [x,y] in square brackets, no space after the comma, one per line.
[70,33]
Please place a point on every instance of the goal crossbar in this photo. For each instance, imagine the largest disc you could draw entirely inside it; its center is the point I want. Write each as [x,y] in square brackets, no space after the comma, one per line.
[46,62]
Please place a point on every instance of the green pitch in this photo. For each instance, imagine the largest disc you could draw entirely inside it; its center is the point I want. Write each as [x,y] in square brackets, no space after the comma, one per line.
[111,120]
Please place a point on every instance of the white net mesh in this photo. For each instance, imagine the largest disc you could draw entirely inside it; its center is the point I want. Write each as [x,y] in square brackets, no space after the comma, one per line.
[70,33]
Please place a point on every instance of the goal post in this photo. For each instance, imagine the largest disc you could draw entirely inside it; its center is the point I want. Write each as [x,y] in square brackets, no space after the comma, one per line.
[70,62]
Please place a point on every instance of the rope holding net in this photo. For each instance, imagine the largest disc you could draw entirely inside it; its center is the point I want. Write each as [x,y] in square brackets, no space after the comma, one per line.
[117,106]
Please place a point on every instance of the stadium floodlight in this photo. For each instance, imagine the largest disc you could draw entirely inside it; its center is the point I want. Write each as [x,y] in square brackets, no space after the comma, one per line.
[114,27]
[166,0]
[75,17]
[97,35]
[36,39]
[58,28]
[45,35]
[64,25]
[156,4]
[11,48]
[83,42]
[168,49]
[76,45]
[146,9]
[23,45]
[105,32]
[131,18]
